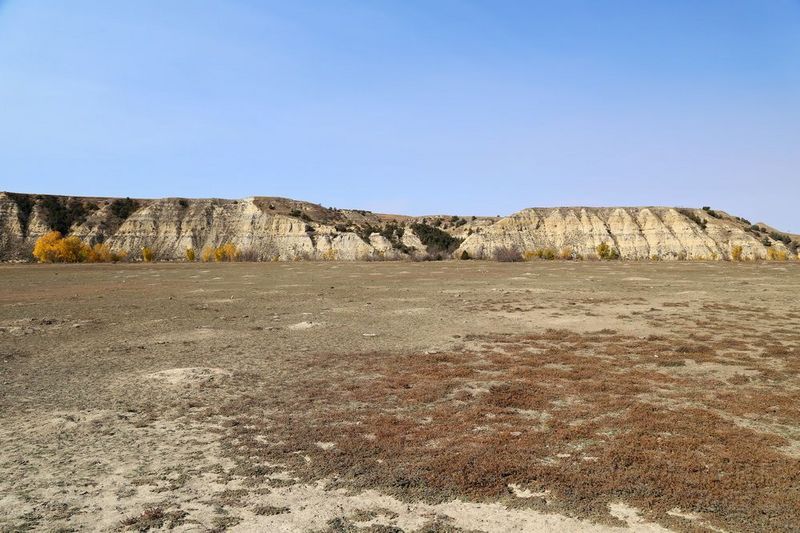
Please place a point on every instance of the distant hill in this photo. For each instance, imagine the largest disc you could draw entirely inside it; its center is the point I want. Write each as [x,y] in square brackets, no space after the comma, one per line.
[270,228]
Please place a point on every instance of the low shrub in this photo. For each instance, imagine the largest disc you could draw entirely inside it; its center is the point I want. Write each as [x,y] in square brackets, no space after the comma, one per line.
[507,254]
[123,208]
[147,254]
[226,252]
[775,254]
[688,213]
[249,255]
[207,255]
[331,254]
[190,254]
[782,237]
[566,254]
[548,254]
[606,252]
[300,214]
[99,253]
[736,253]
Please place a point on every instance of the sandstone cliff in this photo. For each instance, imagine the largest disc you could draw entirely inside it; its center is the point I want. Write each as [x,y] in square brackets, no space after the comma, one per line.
[265,228]
[636,233]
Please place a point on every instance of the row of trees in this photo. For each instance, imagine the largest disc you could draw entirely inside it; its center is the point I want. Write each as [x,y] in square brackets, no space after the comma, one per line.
[53,247]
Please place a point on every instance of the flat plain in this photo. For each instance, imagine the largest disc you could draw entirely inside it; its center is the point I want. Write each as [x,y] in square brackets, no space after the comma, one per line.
[388,396]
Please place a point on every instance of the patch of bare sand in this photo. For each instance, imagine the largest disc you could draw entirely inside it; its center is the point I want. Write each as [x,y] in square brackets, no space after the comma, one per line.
[191,375]
[306,324]
[311,507]
[112,466]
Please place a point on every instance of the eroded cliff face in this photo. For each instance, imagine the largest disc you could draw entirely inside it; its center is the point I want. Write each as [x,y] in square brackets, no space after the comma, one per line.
[261,228]
[282,229]
[636,233]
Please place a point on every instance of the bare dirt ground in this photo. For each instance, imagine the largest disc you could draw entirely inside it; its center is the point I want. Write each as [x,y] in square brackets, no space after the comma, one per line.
[457,396]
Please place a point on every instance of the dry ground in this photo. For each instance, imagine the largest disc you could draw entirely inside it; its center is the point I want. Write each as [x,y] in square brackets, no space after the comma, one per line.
[400,396]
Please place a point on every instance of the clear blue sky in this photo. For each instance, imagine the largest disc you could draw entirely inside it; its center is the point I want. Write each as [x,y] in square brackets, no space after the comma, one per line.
[468,107]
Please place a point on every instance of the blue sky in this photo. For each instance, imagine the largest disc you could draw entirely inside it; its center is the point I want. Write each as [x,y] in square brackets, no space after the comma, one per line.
[419,107]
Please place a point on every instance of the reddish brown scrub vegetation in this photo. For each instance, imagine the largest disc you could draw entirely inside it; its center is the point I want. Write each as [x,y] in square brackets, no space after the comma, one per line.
[590,418]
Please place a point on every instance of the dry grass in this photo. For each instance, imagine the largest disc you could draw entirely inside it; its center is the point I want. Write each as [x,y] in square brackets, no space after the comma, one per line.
[154,518]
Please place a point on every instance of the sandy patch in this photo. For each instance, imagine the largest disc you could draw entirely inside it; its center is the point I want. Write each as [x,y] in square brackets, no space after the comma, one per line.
[192,375]
[306,324]
[311,507]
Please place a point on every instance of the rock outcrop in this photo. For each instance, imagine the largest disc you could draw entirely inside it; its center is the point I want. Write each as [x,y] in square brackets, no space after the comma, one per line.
[635,233]
[281,229]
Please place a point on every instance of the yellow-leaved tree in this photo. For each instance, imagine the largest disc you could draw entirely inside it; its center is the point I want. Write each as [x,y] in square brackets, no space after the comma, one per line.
[46,248]
[72,250]
[207,254]
[53,248]
[226,252]
[99,253]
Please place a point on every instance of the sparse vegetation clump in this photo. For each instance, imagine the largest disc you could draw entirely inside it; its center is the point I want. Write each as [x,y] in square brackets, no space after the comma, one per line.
[61,214]
[154,518]
[776,254]
[122,208]
[736,253]
[606,252]
[190,255]
[207,255]
[226,252]
[439,243]
[507,254]
[297,213]
[688,213]
[101,253]
[330,255]
[545,253]
[147,254]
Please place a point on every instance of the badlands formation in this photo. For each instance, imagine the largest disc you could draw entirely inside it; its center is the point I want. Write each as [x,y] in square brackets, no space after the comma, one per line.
[265,228]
